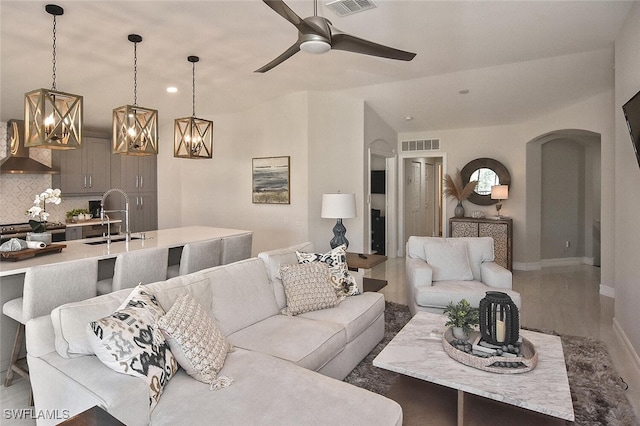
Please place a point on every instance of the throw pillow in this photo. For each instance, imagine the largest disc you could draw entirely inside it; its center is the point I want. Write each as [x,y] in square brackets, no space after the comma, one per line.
[449,260]
[196,341]
[336,260]
[129,341]
[308,287]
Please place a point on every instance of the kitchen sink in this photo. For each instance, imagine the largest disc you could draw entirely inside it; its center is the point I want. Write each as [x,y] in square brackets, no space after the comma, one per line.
[113,240]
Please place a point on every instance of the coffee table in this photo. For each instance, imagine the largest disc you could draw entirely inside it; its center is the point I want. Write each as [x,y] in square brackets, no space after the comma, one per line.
[416,351]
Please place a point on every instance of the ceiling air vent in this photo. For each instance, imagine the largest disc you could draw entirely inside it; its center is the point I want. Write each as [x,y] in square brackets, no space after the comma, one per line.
[421,145]
[349,7]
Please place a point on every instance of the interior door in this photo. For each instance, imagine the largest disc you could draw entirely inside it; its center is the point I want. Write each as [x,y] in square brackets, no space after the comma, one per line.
[429,200]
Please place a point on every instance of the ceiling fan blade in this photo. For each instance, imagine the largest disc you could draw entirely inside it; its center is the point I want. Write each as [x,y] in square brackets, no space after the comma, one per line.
[349,43]
[280,59]
[285,11]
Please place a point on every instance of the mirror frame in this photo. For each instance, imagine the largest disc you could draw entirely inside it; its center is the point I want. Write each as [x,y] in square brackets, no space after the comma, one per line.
[484,163]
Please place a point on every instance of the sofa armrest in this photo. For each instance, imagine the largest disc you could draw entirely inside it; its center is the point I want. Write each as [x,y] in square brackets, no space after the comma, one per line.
[419,273]
[495,275]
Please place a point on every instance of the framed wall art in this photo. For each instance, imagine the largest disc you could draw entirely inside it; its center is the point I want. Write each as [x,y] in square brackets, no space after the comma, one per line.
[271,180]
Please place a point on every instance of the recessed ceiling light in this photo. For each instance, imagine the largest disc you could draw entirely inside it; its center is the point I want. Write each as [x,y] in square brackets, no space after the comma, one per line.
[172,89]
[408,118]
[464,91]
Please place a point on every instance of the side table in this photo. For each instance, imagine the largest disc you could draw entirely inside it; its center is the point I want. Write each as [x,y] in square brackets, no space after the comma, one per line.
[357,263]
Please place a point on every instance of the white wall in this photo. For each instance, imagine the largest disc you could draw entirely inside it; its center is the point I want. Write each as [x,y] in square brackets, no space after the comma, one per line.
[507,144]
[627,180]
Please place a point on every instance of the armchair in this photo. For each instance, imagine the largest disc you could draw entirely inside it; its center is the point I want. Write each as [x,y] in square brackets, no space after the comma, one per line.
[443,270]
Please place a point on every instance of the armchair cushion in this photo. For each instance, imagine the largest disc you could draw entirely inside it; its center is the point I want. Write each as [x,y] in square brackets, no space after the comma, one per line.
[448,259]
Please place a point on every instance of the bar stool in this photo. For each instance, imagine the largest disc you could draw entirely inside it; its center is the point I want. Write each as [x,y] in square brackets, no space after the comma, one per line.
[45,288]
[235,248]
[197,256]
[136,267]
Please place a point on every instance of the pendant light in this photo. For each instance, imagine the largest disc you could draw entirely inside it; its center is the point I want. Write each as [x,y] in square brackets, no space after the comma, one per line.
[53,119]
[193,137]
[135,128]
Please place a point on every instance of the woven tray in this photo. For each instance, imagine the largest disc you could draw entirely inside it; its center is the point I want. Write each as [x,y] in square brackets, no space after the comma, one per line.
[529,358]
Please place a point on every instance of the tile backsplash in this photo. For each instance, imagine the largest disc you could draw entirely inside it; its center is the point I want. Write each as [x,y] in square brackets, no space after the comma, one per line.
[17,191]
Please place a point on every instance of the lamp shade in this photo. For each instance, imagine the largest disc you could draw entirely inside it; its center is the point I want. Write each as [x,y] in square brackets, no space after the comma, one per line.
[338,206]
[500,192]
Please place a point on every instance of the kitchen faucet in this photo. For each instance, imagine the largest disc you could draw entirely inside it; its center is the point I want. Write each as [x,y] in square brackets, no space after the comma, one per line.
[125,211]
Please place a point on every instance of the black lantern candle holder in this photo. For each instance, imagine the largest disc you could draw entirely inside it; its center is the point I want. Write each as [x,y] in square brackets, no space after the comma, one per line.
[499,319]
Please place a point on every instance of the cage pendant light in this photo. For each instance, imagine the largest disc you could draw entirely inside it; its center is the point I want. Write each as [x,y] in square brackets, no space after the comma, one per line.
[135,128]
[193,137]
[53,119]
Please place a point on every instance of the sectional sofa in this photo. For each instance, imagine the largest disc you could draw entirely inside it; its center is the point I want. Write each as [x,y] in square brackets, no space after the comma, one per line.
[286,370]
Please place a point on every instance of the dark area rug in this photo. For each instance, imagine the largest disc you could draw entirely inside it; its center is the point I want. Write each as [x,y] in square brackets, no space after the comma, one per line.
[597,391]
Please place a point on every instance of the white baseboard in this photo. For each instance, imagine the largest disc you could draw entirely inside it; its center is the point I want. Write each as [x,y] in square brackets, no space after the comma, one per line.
[522,266]
[608,291]
[626,343]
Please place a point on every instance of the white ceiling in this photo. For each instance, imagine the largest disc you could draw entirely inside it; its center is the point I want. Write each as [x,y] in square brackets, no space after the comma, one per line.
[499,50]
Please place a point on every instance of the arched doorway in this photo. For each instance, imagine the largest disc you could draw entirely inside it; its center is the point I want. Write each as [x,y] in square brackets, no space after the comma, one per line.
[563,199]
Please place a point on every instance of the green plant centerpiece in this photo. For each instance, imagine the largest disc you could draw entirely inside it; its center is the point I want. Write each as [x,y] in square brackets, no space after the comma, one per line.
[75,212]
[461,316]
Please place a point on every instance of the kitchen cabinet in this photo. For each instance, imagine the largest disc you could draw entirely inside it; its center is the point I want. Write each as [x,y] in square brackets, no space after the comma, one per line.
[74,233]
[501,230]
[137,176]
[84,171]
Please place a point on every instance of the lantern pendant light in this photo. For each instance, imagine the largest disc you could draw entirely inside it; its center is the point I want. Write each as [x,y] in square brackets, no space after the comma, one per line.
[193,137]
[53,119]
[135,128]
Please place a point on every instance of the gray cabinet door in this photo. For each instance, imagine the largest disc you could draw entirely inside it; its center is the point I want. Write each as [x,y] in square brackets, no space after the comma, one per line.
[86,170]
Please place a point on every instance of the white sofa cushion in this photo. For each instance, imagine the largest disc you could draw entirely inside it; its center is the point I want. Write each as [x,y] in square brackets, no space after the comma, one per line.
[308,288]
[448,259]
[441,293]
[196,341]
[307,343]
[70,322]
[241,294]
[268,391]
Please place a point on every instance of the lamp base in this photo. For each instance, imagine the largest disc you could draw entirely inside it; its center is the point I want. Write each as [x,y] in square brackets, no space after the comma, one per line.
[338,235]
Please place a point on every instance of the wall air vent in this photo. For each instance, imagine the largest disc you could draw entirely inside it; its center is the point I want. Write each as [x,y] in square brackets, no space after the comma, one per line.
[349,7]
[421,145]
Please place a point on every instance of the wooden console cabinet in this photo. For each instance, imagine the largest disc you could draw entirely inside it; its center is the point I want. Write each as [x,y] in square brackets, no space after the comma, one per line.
[501,230]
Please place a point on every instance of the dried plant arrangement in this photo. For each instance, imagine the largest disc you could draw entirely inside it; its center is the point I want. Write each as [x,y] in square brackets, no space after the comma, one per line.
[454,187]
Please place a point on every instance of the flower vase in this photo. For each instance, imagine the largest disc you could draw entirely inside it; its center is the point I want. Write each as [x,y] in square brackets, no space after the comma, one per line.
[459,210]
[459,333]
[44,237]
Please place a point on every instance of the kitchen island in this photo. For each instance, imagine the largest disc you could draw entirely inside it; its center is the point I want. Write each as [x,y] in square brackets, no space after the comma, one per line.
[12,273]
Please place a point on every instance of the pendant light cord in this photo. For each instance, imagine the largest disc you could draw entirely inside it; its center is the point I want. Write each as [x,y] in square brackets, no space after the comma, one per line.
[135,74]
[193,96]
[53,86]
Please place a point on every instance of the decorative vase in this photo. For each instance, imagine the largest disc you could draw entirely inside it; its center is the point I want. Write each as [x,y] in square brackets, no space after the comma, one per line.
[459,210]
[459,333]
[44,237]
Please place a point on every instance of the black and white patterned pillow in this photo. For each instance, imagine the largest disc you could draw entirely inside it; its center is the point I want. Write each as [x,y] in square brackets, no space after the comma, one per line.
[130,342]
[336,260]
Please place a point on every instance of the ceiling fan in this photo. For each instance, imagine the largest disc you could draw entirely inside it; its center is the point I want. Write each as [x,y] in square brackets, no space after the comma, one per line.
[318,35]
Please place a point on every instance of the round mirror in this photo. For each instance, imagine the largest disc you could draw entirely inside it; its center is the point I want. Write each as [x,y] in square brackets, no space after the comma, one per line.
[488,172]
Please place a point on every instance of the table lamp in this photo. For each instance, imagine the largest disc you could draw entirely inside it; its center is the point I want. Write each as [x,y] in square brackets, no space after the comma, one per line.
[339,206]
[499,192]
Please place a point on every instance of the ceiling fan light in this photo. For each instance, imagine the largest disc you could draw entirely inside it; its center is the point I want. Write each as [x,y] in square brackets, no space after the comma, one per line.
[316,47]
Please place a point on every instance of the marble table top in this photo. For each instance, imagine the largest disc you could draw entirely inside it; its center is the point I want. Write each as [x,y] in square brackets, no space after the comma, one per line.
[417,351]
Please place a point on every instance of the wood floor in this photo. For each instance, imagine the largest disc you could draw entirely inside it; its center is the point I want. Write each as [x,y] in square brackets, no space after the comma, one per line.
[564,299]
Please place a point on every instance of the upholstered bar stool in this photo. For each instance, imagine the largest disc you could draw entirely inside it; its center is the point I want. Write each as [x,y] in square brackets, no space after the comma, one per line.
[236,248]
[197,256]
[137,267]
[45,288]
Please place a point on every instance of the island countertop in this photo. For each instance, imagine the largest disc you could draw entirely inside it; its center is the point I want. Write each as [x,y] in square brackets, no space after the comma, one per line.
[79,249]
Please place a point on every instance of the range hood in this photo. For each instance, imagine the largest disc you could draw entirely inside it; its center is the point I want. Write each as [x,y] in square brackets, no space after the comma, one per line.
[18,160]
